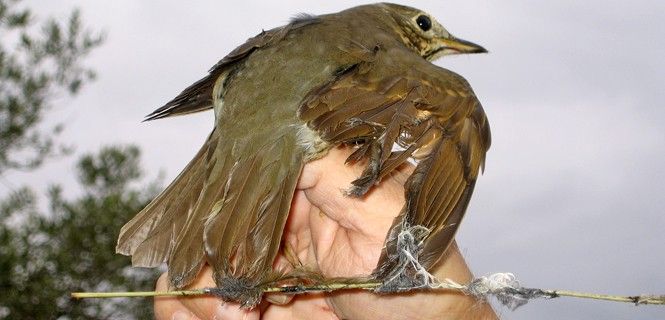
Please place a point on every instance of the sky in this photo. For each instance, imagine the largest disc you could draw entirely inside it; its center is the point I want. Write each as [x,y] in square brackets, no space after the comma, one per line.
[572,195]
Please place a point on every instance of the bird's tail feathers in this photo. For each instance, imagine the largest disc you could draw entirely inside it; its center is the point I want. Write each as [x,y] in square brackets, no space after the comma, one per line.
[227,208]
[150,235]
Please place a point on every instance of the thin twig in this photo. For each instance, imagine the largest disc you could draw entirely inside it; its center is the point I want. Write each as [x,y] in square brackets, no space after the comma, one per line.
[324,287]
[641,299]
[328,287]
[297,289]
[83,295]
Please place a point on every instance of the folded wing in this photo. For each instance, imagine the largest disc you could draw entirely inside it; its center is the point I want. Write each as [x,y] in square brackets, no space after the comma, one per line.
[432,114]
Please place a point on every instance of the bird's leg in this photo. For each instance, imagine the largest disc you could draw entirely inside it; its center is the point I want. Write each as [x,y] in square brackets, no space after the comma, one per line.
[242,290]
[360,153]
[370,175]
[362,143]
[402,270]
[369,148]
[380,148]
[412,143]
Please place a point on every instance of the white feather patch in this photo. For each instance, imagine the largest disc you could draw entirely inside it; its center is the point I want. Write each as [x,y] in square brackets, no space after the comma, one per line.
[311,141]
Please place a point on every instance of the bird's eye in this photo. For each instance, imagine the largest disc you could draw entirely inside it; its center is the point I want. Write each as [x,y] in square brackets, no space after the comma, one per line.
[424,23]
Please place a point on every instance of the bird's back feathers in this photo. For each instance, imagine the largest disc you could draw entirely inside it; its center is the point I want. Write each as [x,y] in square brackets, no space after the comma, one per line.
[198,97]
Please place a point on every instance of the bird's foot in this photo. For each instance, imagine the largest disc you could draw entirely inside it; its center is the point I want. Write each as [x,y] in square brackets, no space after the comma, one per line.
[370,175]
[240,290]
[360,186]
[403,271]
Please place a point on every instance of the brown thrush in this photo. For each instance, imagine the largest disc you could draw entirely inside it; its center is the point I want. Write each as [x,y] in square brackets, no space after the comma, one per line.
[362,76]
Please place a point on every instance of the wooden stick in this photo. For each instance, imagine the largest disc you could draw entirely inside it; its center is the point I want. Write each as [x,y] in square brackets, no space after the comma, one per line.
[83,295]
[328,287]
[641,299]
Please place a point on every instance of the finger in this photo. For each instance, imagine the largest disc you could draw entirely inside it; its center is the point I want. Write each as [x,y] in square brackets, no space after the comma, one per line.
[303,307]
[296,230]
[296,243]
[282,265]
[209,307]
[325,181]
[421,304]
[348,230]
[202,307]
[324,234]
[332,164]
[170,308]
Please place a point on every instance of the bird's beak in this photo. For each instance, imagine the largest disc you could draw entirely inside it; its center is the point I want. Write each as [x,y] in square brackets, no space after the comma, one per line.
[460,46]
[451,45]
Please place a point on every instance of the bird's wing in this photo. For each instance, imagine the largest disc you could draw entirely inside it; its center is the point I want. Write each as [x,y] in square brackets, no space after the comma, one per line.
[432,113]
[151,235]
[198,96]
[227,208]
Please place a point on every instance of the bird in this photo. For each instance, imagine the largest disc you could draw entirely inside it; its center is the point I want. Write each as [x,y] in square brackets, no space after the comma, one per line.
[361,77]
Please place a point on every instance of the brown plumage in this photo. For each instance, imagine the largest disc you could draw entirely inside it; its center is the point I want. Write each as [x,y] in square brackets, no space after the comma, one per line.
[285,97]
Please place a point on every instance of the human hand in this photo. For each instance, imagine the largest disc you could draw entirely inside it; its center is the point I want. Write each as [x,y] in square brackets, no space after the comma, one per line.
[340,236]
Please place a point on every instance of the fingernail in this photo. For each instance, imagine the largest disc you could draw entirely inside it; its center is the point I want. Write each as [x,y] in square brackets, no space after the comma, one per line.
[278,299]
[180,315]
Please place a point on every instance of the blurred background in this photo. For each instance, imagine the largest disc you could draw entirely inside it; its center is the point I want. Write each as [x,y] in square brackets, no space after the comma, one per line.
[572,195]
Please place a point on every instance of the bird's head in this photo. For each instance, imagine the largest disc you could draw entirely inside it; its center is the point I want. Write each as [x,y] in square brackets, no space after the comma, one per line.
[421,32]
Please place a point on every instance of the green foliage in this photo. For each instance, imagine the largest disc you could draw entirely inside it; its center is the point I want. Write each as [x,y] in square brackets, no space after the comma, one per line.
[110,169]
[38,66]
[45,254]
[44,257]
